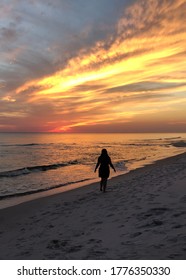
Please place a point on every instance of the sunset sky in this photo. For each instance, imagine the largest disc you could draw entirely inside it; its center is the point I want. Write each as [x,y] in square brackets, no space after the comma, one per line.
[93,66]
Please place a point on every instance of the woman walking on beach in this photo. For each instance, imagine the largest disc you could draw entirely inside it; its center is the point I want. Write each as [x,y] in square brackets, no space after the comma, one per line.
[104,163]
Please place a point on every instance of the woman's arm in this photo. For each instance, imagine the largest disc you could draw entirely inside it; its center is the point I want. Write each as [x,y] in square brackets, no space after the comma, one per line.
[97,165]
[112,165]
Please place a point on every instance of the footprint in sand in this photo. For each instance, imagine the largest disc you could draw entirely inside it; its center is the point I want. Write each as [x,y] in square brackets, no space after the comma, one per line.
[98,222]
[32,217]
[96,253]
[153,223]
[74,249]
[25,253]
[63,245]
[51,226]
[159,210]
[45,213]
[66,203]
[173,256]
[136,234]
[110,215]
[153,212]
[159,246]
[21,239]
[177,226]
[179,214]
[58,205]
[57,244]
[92,240]
[183,198]
[173,239]
[121,226]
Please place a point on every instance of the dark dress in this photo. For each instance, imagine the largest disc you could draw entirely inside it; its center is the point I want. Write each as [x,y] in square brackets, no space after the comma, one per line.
[104,162]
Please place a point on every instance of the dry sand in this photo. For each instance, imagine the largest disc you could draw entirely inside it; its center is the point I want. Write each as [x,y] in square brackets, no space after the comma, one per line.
[141,216]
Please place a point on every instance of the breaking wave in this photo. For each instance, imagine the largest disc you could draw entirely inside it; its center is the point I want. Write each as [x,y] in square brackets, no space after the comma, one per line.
[180,144]
[38,168]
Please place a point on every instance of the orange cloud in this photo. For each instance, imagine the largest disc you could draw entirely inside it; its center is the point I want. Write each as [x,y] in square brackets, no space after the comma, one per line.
[140,72]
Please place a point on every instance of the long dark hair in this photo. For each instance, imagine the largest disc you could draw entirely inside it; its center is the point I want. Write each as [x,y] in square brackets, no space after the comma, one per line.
[104,153]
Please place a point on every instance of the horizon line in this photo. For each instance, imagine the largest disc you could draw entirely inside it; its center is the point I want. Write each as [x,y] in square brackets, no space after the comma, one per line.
[75,132]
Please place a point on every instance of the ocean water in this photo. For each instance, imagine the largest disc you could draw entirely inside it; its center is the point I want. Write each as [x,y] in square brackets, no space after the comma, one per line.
[37,162]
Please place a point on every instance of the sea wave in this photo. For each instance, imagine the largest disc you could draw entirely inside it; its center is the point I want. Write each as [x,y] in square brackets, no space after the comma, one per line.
[172,138]
[37,168]
[178,144]
[121,165]
[143,144]
[21,145]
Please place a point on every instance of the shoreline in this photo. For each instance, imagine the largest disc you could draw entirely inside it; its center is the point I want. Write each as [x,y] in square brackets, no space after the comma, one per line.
[17,199]
[141,216]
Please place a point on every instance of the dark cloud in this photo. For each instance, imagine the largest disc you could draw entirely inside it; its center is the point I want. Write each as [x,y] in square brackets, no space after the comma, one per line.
[145,86]
[140,98]
[87,87]
[50,33]
[130,126]
[7,34]
[100,62]
[152,18]
[169,59]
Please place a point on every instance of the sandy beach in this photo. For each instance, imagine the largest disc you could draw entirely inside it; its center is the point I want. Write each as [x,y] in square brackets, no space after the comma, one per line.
[141,216]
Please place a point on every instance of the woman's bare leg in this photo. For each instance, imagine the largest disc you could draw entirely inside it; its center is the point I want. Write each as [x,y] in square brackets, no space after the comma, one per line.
[101,184]
[104,184]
